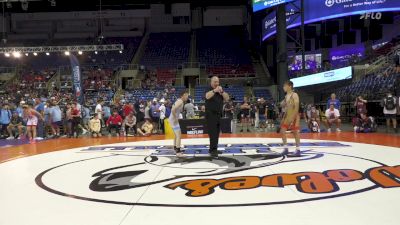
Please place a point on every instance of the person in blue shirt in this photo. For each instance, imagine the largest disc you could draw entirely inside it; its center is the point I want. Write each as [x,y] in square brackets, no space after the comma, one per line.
[333,100]
[55,115]
[106,112]
[5,118]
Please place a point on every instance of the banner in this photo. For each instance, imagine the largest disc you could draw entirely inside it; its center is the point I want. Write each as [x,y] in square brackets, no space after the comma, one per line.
[76,78]
[317,10]
[265,4]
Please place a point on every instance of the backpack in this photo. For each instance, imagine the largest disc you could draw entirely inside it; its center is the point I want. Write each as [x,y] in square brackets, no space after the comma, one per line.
[390,103]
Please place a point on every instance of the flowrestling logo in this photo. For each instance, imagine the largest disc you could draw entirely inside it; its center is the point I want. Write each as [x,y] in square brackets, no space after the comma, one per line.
[248,174]
[331,3]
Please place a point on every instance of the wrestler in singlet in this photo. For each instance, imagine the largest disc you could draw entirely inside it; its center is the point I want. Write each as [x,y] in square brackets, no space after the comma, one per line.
[290,112]
[173,120]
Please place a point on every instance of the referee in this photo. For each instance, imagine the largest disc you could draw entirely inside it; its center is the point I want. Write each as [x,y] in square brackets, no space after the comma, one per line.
[215,98]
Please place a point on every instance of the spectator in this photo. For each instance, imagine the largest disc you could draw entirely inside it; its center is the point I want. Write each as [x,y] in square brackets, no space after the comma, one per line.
[189,109]
[46,113]
[202,113]
[261,108]
[129,124]
[155,113]
[332,117]
[39,107]
[163,111]
[365,124]
[99,108]
[361,105]
[313,119]
[334,101]
[140,108]
[95,126]
[397,61]
[85,116]
[147,111]
[5,118]
[114,122]
[146,129]
[245,114]
[76,120]
[16,124]
[31,117]
[107,112]
[389,104]
[68,121]
[127,109]
[55,119]
[229,109]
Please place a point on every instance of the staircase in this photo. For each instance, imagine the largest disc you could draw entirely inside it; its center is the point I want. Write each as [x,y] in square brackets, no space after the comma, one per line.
[262,74]
[193,47]
[140,51]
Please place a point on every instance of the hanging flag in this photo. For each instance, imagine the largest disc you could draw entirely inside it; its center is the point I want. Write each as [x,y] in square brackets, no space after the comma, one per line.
[77,78]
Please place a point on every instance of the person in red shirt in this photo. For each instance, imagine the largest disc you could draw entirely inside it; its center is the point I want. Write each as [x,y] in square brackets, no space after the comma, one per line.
[76,119]
[114,122]
[127,109]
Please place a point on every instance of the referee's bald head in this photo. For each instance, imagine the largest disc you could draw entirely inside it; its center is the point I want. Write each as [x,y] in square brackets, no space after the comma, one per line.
[214,81]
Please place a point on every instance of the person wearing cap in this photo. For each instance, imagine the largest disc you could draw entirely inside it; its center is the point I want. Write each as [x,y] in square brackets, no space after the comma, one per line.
[5,118]
[16,124]
[332,117]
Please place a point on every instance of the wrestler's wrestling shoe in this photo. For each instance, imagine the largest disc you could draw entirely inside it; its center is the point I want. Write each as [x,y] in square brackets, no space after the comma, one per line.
[296,153]
[285,151]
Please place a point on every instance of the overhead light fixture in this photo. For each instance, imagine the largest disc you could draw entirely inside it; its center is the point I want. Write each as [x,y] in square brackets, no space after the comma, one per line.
[95,52]
[67,53]
[26,54]
[120,51]
[53,3]
[35,54]
[7,54]
[80,52]
[24,5]
[16,54]
[47,53]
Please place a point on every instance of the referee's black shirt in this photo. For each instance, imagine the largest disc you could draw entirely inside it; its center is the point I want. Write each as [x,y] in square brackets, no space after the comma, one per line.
[214,104]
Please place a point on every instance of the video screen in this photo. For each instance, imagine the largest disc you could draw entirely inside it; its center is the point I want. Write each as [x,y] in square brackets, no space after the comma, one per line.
[318,10]
[313,62]
[324,77]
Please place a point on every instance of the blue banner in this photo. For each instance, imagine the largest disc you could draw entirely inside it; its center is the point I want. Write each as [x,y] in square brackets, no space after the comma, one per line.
[76,78]
[317,10]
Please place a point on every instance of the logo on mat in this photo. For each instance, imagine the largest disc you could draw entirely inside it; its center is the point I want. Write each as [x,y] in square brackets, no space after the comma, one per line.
[256,172]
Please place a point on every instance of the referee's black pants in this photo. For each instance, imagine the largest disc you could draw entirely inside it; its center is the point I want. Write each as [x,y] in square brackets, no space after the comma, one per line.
[213,120]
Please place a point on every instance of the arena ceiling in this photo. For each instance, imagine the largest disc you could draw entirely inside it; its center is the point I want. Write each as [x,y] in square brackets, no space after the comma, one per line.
[14,6]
